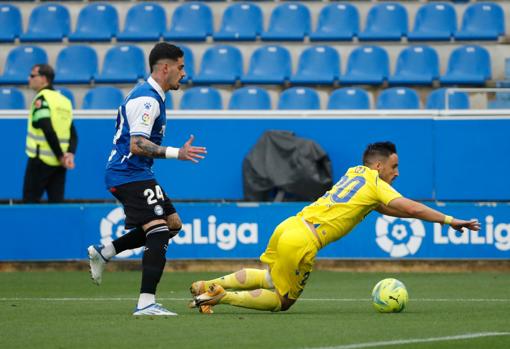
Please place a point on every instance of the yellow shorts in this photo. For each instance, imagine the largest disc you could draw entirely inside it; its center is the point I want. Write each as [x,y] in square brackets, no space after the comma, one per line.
[290,255]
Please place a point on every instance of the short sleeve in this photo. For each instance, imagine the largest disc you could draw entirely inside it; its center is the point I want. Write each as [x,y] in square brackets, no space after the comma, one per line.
[141,113]
[385,192]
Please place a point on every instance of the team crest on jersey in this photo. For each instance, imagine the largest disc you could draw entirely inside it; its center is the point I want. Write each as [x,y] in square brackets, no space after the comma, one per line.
[147,105]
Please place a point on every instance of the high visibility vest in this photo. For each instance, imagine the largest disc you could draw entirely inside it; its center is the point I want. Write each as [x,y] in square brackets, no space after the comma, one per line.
[61,118]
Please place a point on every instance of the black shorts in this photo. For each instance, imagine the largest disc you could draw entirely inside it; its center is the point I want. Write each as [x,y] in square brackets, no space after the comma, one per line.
[143,202]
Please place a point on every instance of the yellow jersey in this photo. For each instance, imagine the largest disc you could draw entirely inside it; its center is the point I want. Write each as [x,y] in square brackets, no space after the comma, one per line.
[355,195]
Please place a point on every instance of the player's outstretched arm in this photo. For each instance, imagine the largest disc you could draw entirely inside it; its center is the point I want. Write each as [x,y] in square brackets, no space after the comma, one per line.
[403,207]
[141,146]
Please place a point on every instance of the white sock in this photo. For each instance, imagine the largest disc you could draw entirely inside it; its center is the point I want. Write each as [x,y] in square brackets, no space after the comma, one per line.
[145,300]
[108,251]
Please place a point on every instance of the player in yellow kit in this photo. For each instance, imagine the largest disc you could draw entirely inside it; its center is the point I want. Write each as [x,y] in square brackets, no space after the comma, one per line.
[290,254]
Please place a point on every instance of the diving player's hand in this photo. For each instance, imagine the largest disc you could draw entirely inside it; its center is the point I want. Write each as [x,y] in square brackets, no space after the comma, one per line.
[190,152]
[459,224]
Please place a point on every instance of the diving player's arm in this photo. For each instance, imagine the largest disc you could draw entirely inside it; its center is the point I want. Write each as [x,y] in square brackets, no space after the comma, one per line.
[141,146]
[383,209]
[403,207]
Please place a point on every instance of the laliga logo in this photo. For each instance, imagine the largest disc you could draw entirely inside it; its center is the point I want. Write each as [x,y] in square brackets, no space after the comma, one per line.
[112,227]
[399,236]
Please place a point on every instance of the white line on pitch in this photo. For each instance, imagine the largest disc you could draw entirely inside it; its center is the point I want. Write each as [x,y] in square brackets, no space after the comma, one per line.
[416,340]
[94,299]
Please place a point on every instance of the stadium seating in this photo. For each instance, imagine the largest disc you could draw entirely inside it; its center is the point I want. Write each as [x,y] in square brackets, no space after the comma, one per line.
[482,21]
[144,22]
[11,28]
[49,22]
[190,22]
[169,103]
[435,21]
[103,97]
[11,98]
[317,65]
[189,64]
[456,100]
[200,98]
[398,98]
[222,64]
[122,64]
[468,65]
[241,22]
[416,65]
[20,61]
[250,98]
[288,22]
[349,98]
[299,98]
[502,101]
[366,65]
[76,64]
[337,22]
[268,65]
[385,22]
[68,93]
[96,22]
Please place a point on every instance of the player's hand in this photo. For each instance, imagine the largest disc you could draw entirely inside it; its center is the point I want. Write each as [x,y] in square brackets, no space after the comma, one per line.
[191,152]
[459,225]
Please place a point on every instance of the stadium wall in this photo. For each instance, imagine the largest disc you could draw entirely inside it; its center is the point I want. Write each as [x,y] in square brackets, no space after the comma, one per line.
[458,158]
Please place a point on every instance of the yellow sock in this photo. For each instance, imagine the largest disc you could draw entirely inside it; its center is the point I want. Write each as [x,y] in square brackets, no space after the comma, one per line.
[244,279]
[257,299]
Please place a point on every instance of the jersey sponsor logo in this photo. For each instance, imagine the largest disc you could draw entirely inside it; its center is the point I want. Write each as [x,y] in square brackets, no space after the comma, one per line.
[399,237]
[146,118]
[492,233]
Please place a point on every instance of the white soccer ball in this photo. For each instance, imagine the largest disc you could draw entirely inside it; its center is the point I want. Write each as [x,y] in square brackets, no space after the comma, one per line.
[389,296]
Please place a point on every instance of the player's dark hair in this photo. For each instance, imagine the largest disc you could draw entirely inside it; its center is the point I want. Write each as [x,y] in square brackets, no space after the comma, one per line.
[378,150]
[164,50]
[47,71]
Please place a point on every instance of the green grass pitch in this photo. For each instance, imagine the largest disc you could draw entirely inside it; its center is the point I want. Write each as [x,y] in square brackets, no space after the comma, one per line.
[65,310]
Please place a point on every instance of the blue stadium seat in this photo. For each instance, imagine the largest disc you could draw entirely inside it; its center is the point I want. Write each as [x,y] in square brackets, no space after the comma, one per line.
[299,98]
[398,98]
[250,98]
[191,22]
[169,103]
[11,98]
[103,97]
[434,21]
[349,98]
[416,65]
[337,22]
[11,28]
[289,22]
[317,65]
[385,22]
[67,93]
[19,63]
[456,100]
[49,22]
[201,98]
[468,65]
[268,65]
[482,21]
[367,65]
[189,64]
[144,22]
[241,22]
[222,64]
[502,101]
[76,64]
[96,22]
[122,64]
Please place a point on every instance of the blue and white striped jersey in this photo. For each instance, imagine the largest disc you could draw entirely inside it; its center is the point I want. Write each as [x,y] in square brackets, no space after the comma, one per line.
[142,113]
